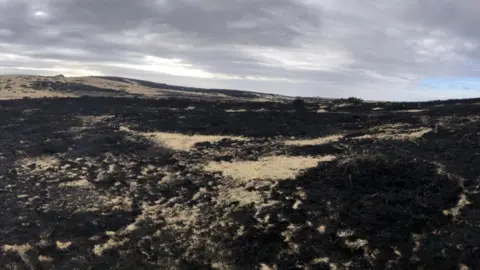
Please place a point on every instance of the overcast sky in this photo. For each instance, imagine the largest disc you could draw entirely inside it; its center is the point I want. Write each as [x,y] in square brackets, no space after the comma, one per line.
[382,49]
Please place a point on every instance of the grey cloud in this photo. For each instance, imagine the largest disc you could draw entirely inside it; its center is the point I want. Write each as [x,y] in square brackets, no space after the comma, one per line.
[385,47]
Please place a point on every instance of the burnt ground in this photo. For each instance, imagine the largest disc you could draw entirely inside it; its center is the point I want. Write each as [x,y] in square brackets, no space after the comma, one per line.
[81,192]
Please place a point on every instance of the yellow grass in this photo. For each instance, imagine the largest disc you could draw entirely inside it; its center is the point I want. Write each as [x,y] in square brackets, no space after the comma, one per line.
[45,259]
[98,250]
[235,110]
[76,184]
[178,141]
[412,110]
[20,88]
[273,167]
[240,195]
[41,162]
[93,119]
[63,245]
[24,248]
[455,211]
[412,134]
[317,141]
[16,82]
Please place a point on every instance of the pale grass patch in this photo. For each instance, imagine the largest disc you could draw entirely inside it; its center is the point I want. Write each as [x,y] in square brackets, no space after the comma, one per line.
[412,110]
[455,211]
[359,243]
[391,127]
[117,203]
[342,105]
[240,195]
[181,214]
[266,267]
[235,110]
[260,100]
[24,248]
[321,260]
[178,141]
[76,184]
[18,91]
[272,167]
[317,141]
[45,259]
[220,266]
[63,245]
[321,110]
[7,95]
[176,217]
[261,110]
[88,120]
[377,109]
[181,142]
[41,162]
[98,250]
[345,233]
[133,87]
[412,134]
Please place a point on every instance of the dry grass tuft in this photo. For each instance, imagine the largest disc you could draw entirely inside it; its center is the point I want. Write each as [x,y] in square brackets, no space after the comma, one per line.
[235,110]
[266,267]
[89,120]
[412,111]
[41,162]
[117,203]
[183,142]
[317,141]
[456,211]
[240,195]
[45,259]
[63,245]
[273,167]
[76,184]
[412,134]
[98,250]
[24,248]
[178,141]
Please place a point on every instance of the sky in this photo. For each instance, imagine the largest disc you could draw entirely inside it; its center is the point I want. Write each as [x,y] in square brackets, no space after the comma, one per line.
[407,50]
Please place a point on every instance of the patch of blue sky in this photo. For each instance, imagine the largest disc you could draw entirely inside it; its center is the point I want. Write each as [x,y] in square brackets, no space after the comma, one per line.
[446,83]
[449,87]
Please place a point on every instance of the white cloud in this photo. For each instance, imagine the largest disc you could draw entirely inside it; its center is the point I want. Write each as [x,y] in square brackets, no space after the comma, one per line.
[70,72]
[318,58]
[306,47]
[41,14]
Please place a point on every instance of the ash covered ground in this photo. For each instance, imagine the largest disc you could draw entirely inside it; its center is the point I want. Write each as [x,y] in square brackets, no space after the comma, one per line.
[139,183]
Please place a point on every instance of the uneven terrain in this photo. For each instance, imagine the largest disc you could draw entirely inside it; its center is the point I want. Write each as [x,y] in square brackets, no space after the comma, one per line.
[128,180]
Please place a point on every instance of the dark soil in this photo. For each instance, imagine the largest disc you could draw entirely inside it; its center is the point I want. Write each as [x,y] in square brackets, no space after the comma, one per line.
[381,204]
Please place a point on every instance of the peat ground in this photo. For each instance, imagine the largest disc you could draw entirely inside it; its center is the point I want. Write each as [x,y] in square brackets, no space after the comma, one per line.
[84,184]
